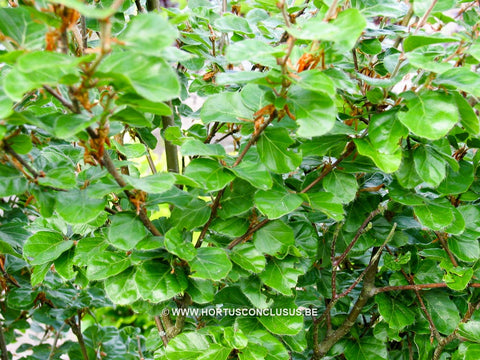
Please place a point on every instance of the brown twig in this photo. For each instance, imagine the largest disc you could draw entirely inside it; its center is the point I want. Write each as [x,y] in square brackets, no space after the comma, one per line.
[77,331]
[328,168]
[249,233]
[55,341]
[359,232]
[212,132]
[60,98]
[441,239]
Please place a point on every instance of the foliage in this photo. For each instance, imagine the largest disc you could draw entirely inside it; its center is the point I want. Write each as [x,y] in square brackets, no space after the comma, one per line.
[333,165]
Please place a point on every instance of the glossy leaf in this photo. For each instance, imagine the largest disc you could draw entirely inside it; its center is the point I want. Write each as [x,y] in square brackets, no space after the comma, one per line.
[210,263]
[45,246]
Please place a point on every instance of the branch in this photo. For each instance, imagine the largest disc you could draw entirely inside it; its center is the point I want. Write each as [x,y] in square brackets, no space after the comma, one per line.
[109,165]
[425,16]
[216,202]
[60,98]
[441,238]
[212,132]
[171,152]
[161,330]
[368,290]
[3,344]
[55,341]
[418,287]
[249,233]
[348,150]
[78,333]
[359,232]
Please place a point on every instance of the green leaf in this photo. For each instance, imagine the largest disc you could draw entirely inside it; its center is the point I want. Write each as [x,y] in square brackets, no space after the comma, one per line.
[209,173]
[457,182]
[435,214]
[385,132]
[272,146]
[468,118]
[196,147]
[140,104]
[274,348]
[88,247]
[253,50]
[458,278]
[255,173]
[106,264]
[201,291]
[210,263]
[396,314]
[415,41]
[188,345]
[252,288]
[230,22]
[191,215]
[156,282]
[274,238]
[85,9]
[344,30]
[131,117]
[149,34]
[21,144]
[12,182]
[388,163]
[277,202]
[235,338]
[430,115]
[327,203]
[248,257]
[17,24]
[153,184]
[443,311]
[76,207]
[407,175]
[45,246]
[367,348]
[125,231]
[290,324]
[151,77]
[225,107]
[429,165]
[122,288]
[343,185]
[461,78]
[470,330]
[315,111]
[175,244]
[281,275]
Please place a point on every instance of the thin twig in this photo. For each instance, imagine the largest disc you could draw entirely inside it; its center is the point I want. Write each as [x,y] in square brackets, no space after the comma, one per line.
[441,239]
[76,329]
[332,259]
[328,168]
[359,232]
[171,151]
[139,345]
[212,132]
[249,233]
[55,341]
[60,98]
[425,16]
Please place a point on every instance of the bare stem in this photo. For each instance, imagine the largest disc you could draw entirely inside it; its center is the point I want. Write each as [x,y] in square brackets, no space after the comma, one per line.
[3,344]
[425,16]
[161,330]
[170,149]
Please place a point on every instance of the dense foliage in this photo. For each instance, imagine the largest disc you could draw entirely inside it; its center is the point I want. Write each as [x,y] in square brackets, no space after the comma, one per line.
[332,165]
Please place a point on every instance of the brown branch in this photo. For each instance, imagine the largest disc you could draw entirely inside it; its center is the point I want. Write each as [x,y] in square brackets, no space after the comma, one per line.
[441,238]
[3,344]
[359,233]
[332,259]
[139,346]
[368,290]
[77,331]
[212,132]
[110,166]
[216,202]
[55,341]
[348,150]
[249,233]
[161,330]
[418,287]
[425,16]
[60,98]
